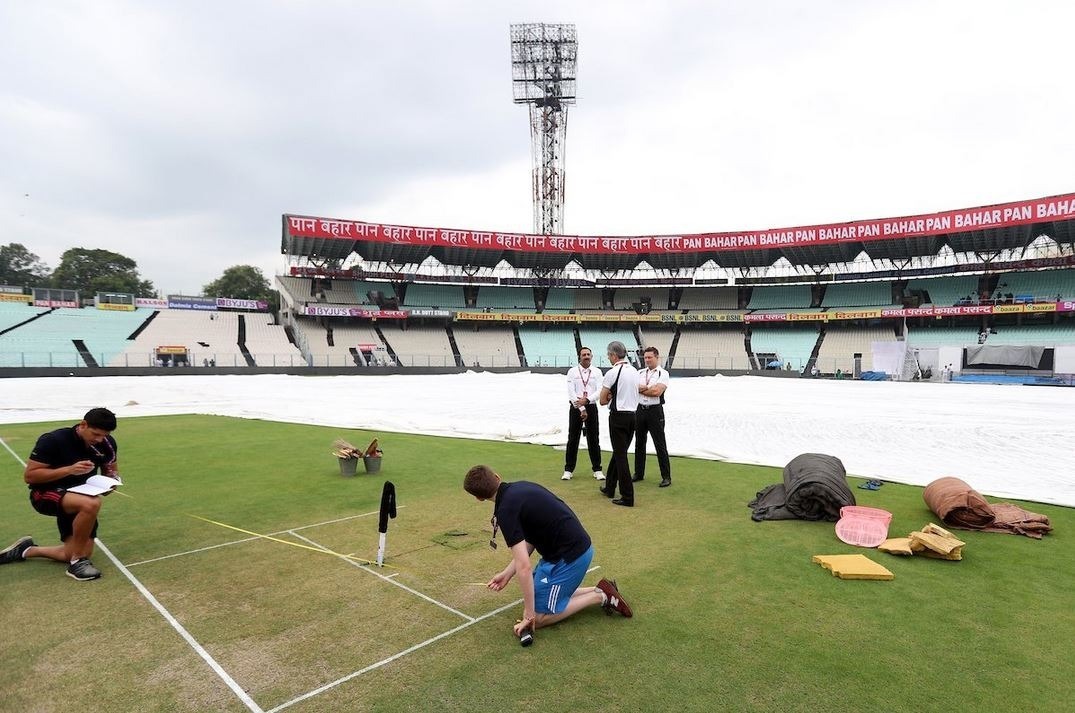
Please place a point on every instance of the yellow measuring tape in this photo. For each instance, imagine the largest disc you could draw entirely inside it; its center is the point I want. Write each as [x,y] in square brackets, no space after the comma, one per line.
[322,550]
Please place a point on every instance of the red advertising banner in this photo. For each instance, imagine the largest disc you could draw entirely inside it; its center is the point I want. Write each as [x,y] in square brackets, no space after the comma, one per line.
[938,311]
[1065,306]
[1003,215]
[55,303]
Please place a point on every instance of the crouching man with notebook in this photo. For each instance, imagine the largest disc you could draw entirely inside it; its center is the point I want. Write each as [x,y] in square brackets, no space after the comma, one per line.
[60,465]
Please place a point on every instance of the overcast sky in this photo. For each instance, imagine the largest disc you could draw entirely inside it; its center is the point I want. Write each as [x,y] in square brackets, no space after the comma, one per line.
[178,133]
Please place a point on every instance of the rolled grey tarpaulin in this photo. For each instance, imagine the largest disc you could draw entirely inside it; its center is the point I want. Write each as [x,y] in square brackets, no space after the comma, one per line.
[814,488]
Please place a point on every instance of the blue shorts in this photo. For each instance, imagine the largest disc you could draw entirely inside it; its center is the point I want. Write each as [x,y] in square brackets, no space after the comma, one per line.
[555,583]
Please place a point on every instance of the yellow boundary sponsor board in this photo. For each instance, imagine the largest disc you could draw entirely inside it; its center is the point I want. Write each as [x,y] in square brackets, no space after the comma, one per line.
[702,317]
[1041,307]
[6,297]
[808,316]
[115,307]
[618,317]
[855,314]
[514,317]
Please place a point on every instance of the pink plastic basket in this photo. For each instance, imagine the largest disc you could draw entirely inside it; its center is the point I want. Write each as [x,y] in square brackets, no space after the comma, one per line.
[863,526]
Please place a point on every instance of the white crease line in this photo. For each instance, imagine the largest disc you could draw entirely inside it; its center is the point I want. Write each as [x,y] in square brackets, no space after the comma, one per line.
[20,460]
[198,648]
[250,539]
[365,568]
[390,659]
[394,574]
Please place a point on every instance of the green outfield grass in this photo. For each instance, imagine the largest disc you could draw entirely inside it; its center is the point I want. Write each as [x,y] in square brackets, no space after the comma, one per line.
[729,614]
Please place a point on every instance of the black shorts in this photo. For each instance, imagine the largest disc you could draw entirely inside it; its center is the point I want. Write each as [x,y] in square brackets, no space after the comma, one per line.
[47,502]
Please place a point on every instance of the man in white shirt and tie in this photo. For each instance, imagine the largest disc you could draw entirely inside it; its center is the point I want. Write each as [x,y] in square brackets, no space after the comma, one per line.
[649,420]
[583,390]
[619,391]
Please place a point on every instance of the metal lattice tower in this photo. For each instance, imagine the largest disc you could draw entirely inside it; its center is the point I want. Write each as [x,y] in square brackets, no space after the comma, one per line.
[544,59]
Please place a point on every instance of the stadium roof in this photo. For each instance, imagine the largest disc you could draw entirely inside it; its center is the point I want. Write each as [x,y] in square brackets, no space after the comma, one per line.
[985,229]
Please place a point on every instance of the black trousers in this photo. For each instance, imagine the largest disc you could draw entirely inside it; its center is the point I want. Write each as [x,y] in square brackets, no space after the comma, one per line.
[575,426]
[621,429]
[649,421]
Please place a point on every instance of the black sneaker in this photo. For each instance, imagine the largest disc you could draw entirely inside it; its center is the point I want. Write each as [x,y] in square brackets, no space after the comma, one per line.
[15,551]
[83,570]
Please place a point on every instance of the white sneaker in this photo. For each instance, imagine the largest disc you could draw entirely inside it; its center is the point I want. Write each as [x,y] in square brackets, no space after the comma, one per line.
[598,475]
[566,475]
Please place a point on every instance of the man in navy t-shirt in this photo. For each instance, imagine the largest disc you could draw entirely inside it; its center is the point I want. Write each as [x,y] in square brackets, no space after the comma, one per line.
[63,459]
[532,518]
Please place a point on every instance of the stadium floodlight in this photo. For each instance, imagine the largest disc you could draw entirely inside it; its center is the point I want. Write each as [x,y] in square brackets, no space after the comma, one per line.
[544,59]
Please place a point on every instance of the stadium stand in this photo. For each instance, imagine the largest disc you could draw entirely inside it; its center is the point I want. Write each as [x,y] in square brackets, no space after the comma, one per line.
[942,336]
[208,336]
[858,294]
[780,296]
[347,292]
[789,344]
[711,348]
[598,338]
[709,298]
[419,345]
[268,343]
[554,347]
[840,345]
[1043,286]
[505,298]
[300,288]
[589,299]
[659,337]
[50,339]
[560,299]
[12,313]
[626,297]
[435,296]
[1046,335]
[945,291]
[345,337]
[488,345]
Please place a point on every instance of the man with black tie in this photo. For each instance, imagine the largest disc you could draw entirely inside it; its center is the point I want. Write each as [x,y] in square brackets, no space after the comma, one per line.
[619,391]
[583,389]
[649,419]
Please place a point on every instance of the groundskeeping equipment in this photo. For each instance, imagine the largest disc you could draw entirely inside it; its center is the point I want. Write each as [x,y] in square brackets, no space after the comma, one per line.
[388,511]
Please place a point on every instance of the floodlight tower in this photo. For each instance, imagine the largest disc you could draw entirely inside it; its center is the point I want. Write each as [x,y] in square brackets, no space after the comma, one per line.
[544,59]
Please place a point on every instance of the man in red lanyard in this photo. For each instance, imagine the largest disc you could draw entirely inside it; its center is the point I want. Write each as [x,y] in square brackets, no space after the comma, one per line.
[583,389]
[649,419]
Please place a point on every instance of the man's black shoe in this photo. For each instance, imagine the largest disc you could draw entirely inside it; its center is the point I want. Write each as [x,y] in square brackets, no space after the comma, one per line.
[624,502]
[83,570]
[665,482]
[15,551]
[638,478]
[606,493]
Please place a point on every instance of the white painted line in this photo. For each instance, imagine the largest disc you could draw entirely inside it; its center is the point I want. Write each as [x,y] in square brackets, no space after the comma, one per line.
[390,659]
[415,592]
[20,460]
[191,552]
[198,648]
[250,539]
[394,574]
